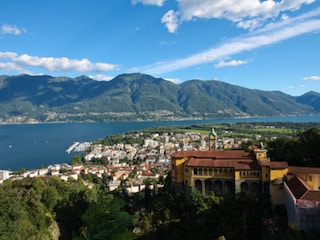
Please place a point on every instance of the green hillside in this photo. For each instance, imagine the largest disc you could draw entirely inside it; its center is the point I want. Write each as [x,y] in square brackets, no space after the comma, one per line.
[134,97]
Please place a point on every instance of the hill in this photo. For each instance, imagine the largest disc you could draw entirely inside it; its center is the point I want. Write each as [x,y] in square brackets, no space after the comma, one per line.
[136,97]
[310,98]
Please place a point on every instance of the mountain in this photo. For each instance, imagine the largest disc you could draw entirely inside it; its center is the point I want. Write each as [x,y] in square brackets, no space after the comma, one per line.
[310,98]
[136,96]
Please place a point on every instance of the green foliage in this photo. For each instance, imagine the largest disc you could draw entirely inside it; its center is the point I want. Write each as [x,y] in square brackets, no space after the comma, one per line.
[105,219]
[23,215]
[36,208]
[76,159]
[302,150]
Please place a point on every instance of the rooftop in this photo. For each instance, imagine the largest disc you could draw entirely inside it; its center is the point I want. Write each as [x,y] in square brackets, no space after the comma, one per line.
[238,164]
[304,170]
[227,154]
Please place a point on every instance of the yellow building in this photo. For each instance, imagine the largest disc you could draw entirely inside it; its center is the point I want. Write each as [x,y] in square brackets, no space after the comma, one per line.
[225,172]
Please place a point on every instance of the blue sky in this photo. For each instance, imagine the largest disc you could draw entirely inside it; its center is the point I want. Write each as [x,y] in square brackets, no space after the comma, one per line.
[267,45]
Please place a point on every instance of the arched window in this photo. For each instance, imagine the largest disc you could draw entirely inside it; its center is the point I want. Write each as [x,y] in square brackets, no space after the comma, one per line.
[198,185]
[217,187]
[208,187]
[244,187]
[195,171]
[228,187]
[254,187]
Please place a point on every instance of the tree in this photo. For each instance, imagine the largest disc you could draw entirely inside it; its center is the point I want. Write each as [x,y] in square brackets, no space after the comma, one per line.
[50,197]
[76,159]
[105,219]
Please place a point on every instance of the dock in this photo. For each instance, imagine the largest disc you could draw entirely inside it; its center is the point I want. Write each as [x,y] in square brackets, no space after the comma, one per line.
[73,146]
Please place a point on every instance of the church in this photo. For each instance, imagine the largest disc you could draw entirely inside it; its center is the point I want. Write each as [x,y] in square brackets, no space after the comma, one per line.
[228,173]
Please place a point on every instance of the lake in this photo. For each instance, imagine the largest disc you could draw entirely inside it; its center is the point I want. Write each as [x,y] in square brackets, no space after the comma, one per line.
[34,145]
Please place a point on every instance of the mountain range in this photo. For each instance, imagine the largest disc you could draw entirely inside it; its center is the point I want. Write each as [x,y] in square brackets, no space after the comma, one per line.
[139,97]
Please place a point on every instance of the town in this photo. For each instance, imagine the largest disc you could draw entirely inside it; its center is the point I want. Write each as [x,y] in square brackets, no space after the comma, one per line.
[148,158]
[201,161]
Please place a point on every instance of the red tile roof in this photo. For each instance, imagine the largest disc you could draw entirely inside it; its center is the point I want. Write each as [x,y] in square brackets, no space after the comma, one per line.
[278,165]
[305,170]
[238,164]
[265,163]
[311,196]
[297,186]
[231,154]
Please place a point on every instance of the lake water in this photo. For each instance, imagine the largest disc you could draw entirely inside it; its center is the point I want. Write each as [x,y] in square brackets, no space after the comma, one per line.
[34,145]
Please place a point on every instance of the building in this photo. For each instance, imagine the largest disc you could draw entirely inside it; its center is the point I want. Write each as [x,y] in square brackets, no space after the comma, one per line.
[225,172]
[302,198]
[4,175]
[213,140]
[230,172]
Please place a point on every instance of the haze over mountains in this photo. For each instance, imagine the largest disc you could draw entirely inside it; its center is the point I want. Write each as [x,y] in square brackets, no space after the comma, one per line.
[136,97]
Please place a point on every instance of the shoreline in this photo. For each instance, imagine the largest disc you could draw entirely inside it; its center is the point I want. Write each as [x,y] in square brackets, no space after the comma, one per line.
[156,120]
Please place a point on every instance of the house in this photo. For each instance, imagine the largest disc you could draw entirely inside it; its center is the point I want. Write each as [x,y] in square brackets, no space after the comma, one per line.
[4,175]
[302,197]
[71,175]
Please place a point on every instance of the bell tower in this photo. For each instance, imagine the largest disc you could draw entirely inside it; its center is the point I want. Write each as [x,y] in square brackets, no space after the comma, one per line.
[212,140]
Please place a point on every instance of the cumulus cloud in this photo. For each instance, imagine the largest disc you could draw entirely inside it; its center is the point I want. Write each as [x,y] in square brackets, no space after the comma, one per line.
[11,29]
[312,78]
[101,77]
[248,14]
[174,80]
[231,63]
[149,2]
[12,61]
[170,19]
[9,66]
[7,55]
[268,35]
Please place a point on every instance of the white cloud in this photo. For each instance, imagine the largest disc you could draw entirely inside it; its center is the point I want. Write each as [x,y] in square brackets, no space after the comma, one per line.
[249,24]
[248,14]
[149,2]
[11,29]
[312,78]
[231,63]
[11,60]
[174,80]
[170,19]
[101,77]
[268,35]
[7,55]
[9,66]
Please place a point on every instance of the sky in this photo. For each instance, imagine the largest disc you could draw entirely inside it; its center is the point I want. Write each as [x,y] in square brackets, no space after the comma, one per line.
[271,45]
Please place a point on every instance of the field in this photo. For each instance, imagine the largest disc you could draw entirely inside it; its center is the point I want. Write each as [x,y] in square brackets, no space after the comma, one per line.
[264,130]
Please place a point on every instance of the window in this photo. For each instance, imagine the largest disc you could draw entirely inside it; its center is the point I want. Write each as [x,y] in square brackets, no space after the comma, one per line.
[310,178]
[195,171]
